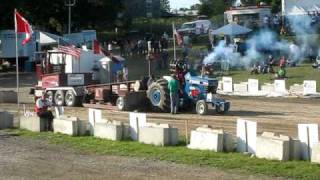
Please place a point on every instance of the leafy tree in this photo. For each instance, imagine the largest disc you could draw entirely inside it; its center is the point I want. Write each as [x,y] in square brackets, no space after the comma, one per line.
[165,5]
[213,7]
[52,16]
[195,7]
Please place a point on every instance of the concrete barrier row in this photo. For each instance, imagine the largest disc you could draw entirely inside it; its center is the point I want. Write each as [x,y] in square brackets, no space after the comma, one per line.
[267,145]
[278,88]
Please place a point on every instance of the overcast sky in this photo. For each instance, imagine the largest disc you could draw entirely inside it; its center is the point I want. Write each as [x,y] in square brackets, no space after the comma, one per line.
[176,4]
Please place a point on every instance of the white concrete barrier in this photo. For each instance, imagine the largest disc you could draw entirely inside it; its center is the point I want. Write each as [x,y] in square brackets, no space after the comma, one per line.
[273,147]
[219,86]
[207,139]
[6,120]
[308,135]
[315,155]
[228,142]
[296,89]
[295,149]
[309,87]
[136,120]
[280,86]
[70,125]
[95,115]
[159,135]
[253,86]
[33,123]
[109,130]
[227,85]
[246,136]
[267,88]
[241,88]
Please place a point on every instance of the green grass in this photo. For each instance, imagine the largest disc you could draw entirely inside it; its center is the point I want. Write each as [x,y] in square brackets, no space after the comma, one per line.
[295,75]
[180,154]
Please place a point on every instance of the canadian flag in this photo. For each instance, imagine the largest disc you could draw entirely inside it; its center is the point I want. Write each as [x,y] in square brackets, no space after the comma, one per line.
[96,47]
[22,26]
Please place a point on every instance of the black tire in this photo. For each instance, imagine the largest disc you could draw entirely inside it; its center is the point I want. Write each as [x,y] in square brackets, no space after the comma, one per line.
[50,96]
[218,110]
[71,99]
[59,98]
[159,96]
[201,107]
[122,103]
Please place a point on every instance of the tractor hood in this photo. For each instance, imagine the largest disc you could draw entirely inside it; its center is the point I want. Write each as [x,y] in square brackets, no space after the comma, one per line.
[201,80]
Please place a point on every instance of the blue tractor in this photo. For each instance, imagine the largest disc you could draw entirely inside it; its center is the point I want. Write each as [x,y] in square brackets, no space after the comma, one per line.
[197,92]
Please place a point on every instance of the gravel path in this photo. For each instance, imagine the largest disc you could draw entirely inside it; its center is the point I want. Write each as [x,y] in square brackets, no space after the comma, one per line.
[23,158]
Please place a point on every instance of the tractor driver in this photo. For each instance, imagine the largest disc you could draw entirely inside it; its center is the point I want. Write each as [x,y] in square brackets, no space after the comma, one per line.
[41,108]
[181,70]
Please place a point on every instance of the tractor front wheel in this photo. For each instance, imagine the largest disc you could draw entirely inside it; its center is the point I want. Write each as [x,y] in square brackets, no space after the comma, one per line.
[201,107]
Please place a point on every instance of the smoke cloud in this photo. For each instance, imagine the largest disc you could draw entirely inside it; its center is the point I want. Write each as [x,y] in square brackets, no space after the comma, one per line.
[266,42]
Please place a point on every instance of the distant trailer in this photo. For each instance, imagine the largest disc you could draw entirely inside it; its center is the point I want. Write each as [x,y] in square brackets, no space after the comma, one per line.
[249,16]
[300,7]
[8,45]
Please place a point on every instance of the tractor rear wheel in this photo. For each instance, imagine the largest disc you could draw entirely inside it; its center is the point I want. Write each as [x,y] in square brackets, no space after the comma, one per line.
[159,96]
[201,107]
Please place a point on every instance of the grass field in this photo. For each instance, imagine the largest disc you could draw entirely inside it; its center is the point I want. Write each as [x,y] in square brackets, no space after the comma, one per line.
[180,154]
[295,75]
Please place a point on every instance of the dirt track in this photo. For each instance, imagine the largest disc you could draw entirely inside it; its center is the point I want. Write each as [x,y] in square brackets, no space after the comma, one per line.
[23,158]
[276,115]
[29,159]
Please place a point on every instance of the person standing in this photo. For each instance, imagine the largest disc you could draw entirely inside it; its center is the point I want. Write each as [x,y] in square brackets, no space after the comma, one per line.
[125,73]
[41,108]
[173,86]
[283,62]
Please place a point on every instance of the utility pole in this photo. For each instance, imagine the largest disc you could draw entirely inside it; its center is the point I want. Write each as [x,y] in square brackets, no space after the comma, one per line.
[69,4]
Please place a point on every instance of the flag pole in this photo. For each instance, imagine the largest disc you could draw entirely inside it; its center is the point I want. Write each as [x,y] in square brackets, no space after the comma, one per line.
[174,43]
[17,60]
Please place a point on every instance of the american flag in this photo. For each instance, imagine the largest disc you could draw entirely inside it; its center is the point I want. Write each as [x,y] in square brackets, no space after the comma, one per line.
[73,51]
[177,35]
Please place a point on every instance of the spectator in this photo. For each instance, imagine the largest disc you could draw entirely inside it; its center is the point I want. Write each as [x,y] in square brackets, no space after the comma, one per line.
[165,58]
[271,63]
[121,46]
[282,62]
[41,108]
[125,73]
[173,86]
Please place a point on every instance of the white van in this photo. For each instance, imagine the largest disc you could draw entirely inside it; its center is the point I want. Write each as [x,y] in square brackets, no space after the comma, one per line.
[195,27]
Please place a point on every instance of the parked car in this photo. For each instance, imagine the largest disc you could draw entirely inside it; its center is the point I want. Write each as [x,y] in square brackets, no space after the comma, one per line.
[196,27]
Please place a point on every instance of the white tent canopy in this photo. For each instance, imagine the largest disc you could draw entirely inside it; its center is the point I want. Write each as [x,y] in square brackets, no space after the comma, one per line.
[48,38]
[231,29]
